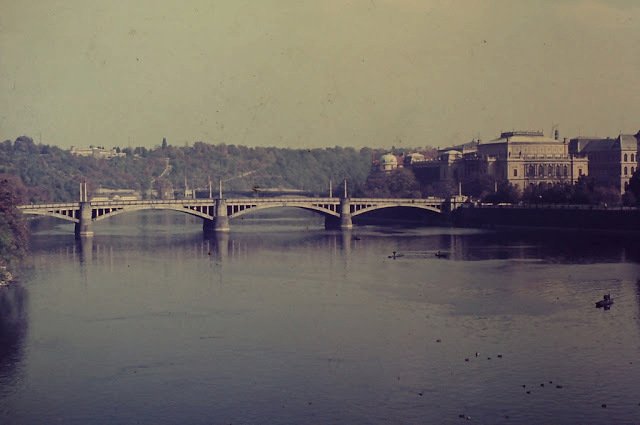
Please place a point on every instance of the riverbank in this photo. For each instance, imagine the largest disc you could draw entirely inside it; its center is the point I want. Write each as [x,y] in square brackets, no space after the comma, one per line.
[5,276]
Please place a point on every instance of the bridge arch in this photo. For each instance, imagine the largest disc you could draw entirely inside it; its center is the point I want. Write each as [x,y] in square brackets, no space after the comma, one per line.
[403,205]
[132,208]
[53,214]
[314,208]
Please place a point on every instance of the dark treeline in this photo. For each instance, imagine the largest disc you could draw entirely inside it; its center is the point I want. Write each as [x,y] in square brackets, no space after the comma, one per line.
[53,174]
[13,231]
[584,192]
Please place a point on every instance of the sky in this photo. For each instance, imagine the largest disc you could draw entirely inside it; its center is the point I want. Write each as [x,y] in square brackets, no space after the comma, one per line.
[315,73]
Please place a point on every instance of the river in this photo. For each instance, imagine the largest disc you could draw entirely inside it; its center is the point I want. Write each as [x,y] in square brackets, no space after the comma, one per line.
[283,322]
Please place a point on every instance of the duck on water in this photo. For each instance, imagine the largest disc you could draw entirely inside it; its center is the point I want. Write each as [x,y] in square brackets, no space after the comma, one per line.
[605,302]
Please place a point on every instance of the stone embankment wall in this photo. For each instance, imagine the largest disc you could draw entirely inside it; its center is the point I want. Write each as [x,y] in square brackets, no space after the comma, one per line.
[561,217]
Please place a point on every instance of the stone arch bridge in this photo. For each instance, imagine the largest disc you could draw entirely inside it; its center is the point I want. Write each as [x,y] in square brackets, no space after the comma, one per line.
[216,213]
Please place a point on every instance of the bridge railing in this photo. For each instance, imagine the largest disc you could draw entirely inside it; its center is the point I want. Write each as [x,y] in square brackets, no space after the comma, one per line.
[68,205]
[152,202]
[278,200]
[543,206]
[429,200]
[275,200]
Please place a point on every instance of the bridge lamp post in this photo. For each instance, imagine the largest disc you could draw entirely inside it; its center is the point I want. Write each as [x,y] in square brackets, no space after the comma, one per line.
[221,220]
[83,227]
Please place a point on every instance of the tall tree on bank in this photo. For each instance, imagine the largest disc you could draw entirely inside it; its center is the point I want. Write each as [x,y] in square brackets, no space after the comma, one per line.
[632,195]
[399,183]
[13,231]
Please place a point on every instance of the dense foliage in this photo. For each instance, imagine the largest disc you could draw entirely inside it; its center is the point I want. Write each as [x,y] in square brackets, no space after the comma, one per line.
[585,191]
[13,233]
[632,195]
[53,174]
[399,183]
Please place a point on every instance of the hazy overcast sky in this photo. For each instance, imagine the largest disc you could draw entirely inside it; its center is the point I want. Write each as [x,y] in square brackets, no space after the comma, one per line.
[312,73]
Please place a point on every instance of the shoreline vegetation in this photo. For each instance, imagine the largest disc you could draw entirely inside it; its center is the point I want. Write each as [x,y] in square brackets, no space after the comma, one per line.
[5,276]
[13,229]
[52,174]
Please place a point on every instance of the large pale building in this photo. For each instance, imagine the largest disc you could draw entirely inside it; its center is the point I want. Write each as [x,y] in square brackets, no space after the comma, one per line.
[522,158]
[98,152]
[526,158]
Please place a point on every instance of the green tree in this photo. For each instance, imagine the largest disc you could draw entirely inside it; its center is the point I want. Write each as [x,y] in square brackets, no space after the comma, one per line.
[399,183]
[506,192]
[633,189]
[478,186]
[13,231]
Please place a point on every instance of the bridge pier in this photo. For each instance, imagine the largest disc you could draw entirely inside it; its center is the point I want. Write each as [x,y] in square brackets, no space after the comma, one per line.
[345,214]
[344,221]
[221,222]
[84,228]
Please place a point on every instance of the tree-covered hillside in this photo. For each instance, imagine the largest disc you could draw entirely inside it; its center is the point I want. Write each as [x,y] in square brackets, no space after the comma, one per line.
[53,174]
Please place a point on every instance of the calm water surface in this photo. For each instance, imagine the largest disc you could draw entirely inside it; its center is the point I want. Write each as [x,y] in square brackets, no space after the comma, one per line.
[282,322]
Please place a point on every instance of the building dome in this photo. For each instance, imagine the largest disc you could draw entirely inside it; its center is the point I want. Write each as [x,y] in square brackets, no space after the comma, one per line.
[388,162]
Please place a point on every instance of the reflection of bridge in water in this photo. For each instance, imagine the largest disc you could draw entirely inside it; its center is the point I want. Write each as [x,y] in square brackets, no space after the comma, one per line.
[218,247]
[215,213]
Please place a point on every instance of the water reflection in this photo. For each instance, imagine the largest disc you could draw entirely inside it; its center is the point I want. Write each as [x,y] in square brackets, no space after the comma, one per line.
[327,317]
[84,248]
[346,238]
[218,246]
[13,328]
[557,247]
[458,244]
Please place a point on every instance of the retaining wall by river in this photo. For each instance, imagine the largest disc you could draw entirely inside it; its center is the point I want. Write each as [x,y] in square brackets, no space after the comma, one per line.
[565,217]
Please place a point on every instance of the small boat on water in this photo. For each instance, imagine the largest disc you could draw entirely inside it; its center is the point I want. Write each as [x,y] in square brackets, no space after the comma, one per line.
[605,302]
[440,254]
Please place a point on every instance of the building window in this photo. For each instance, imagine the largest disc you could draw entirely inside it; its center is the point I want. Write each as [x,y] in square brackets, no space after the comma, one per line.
[541,171]
[625,171]
[550,170]
[515,172]
[566,171]
[632,159]
[579,171]
[633,170]
[625,157]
